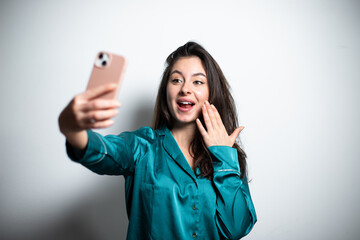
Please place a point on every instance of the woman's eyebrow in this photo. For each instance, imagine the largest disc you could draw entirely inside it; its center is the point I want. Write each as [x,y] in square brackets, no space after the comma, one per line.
[194,75]
[199,74]
[176,71]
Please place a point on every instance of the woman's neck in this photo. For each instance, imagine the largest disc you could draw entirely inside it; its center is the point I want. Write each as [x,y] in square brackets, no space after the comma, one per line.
[184,134]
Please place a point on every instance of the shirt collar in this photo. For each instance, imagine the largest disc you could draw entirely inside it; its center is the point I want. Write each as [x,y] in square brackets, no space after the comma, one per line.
[172,148]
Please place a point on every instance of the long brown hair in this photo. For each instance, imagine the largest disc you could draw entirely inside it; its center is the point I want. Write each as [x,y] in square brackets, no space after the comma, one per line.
[219,95]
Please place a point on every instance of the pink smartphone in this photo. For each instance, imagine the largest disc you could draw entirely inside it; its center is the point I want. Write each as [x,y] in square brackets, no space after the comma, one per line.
[108,68]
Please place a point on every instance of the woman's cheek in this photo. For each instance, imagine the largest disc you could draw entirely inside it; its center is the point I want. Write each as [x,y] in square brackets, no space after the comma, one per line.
[202,95]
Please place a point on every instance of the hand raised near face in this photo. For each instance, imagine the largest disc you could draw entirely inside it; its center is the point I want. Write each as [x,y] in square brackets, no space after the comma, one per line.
[215,133]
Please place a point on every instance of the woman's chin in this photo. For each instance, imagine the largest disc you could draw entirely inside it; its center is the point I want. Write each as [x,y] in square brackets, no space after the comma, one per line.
[184,122]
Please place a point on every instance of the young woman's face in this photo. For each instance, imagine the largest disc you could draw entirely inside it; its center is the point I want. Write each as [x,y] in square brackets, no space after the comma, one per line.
[187,89]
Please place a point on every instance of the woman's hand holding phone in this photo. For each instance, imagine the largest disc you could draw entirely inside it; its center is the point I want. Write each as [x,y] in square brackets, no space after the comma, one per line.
[88,110]
[97,105]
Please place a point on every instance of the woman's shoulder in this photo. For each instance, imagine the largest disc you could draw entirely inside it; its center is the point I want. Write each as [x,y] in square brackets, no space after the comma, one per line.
[146,133]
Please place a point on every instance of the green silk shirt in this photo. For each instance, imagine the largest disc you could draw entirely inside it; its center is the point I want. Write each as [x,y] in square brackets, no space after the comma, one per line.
[165,199]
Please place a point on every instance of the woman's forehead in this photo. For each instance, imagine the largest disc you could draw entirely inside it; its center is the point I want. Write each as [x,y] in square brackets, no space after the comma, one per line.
[192,64]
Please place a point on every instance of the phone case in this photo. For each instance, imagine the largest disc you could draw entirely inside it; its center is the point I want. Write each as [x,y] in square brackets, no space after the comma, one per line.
[108,68]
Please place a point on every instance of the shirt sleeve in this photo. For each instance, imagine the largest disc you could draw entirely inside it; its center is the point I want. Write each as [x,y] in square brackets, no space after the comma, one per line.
[235,212]
[112,154]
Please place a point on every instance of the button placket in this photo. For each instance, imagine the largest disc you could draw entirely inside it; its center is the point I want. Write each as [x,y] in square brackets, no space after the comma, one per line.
[195,208]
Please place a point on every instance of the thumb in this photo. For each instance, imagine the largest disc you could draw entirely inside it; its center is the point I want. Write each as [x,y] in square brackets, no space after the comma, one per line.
[235,134]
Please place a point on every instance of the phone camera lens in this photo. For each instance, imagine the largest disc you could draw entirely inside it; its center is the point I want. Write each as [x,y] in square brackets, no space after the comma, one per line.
[103,63]
[101,55]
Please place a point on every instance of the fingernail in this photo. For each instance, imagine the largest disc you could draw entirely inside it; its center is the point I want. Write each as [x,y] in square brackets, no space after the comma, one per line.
[206,102]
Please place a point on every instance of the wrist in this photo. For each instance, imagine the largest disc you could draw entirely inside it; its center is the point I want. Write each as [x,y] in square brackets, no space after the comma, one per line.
[78,140]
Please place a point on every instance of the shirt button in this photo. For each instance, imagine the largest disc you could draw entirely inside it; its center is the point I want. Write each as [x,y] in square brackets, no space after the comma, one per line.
[194,235]
[194,207]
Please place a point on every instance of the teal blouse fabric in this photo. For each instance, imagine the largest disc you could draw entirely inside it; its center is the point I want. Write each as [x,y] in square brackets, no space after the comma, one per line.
[165,199]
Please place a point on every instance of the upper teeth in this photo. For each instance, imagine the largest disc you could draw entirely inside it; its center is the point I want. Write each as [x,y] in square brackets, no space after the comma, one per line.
[185,102]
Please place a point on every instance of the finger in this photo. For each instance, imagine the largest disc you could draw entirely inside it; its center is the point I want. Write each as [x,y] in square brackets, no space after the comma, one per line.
[211,114]
[217,117]
[100,104]
[102,124]
[96,116]
[98,91]
[206,117]
[235,134]
[201,127]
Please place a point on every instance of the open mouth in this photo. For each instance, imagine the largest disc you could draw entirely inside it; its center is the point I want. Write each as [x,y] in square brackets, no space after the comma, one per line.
[185,105]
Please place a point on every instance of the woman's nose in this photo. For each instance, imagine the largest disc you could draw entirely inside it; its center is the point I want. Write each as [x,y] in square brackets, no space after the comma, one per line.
[186,88]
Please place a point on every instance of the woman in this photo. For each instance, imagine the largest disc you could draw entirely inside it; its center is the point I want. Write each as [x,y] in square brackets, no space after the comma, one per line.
[185,178]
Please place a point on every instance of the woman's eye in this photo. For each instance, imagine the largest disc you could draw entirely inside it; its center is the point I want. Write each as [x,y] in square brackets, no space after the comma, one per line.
[198,82]
[176,80]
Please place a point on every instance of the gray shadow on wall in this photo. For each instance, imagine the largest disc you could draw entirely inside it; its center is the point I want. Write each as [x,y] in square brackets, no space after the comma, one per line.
[143,115]
[99,214]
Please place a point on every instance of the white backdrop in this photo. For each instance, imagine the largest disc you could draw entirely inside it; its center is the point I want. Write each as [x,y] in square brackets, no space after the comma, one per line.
[294,71]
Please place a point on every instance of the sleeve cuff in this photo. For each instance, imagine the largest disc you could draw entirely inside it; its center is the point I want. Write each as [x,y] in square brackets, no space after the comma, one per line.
[74,154]
[95,150]
[225,158]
